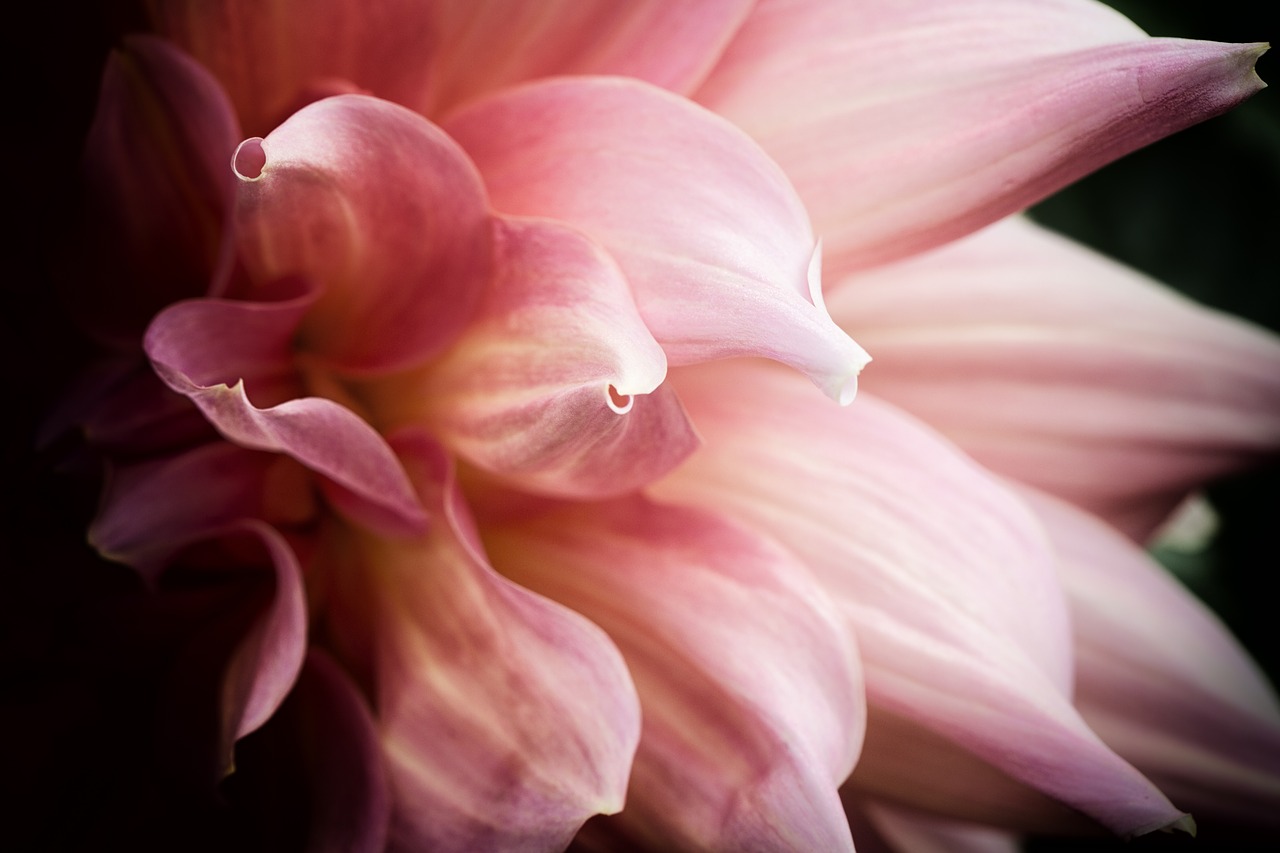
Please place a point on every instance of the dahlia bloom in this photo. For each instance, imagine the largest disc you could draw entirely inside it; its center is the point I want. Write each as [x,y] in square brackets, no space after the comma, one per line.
[481,383]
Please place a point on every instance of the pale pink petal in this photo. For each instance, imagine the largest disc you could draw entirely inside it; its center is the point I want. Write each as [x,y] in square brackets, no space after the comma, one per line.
[507,720]
[430,56]
[379,209]
[491,44]
[905,124]
[748,680]
[944,576]
[1065,370]
[157,190]
[711,236]
[192,345]
[555,386]
[341,758]
[1160,678]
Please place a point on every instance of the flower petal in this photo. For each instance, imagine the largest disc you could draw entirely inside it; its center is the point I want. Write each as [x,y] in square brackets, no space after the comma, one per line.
[943,574]
[430,56]
[157,190]
[383,212]
[507,720]
[697,217]
[1067,371]
[555,385]
[197,347]
[748,681]
[1161,679]
[881,828]
[896,147]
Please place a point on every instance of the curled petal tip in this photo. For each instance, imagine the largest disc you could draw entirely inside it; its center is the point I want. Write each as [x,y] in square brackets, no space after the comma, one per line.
[249,160]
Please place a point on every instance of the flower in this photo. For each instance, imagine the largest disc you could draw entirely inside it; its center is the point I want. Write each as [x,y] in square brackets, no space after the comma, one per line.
[470,414]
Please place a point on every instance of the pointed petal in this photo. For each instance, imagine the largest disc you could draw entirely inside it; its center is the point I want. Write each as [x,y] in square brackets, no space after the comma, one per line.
[380,210]
[693,212]
[669,44]
[749,683]
[895,148]
[507,720]
[197,347]
[943,574]
[1065,370]
[555,386]
[1161,679]
[157,189]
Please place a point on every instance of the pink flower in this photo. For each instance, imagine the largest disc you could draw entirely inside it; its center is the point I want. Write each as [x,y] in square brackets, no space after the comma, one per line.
[480,380]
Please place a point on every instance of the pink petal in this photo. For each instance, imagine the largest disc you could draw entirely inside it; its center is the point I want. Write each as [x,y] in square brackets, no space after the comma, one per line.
[748,681]
[157,190]
[429,56]
[383,212]
[1064,370]
[711,236]
[943,575]
[196,348]
[896,147]
[1161,679]
[555,386]
[491,44]
[507,720]
[881,828]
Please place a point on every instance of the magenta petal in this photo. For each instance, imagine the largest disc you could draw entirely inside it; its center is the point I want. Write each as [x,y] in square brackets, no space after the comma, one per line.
[157,189]
[748,681]
[381,210]
[1162,680]
[507,720]
[944,576]
[556,385]
[187,346]
[697,217]
[1060,368]
[896,148]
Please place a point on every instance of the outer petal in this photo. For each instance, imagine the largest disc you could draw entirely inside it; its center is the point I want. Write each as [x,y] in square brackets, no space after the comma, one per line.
[197,346]
[752,700]
[896,148]
[716,245]
[157,189]
[556,384]
[428,55]
[381,210]
[1161,679]
[1055,366]
[507,720]
[943,575]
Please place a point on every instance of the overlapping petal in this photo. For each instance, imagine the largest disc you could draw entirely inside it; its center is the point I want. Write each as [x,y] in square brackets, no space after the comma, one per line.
[1161,679]
[1067,371]
[199,346]
[507,720]
[556,384]
[383,213]
[157,190]
[432,55]
[897,147]
[749,683]
[608,155]
[944,576]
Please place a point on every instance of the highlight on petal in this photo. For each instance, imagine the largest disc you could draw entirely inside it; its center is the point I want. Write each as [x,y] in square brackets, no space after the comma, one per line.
[896,148]
[945,578]
[556,384]
[507,720]
[157,192]
[1161,679]
[748,680]
[382,212]
[712,238]
[196,347]
[1060,368]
